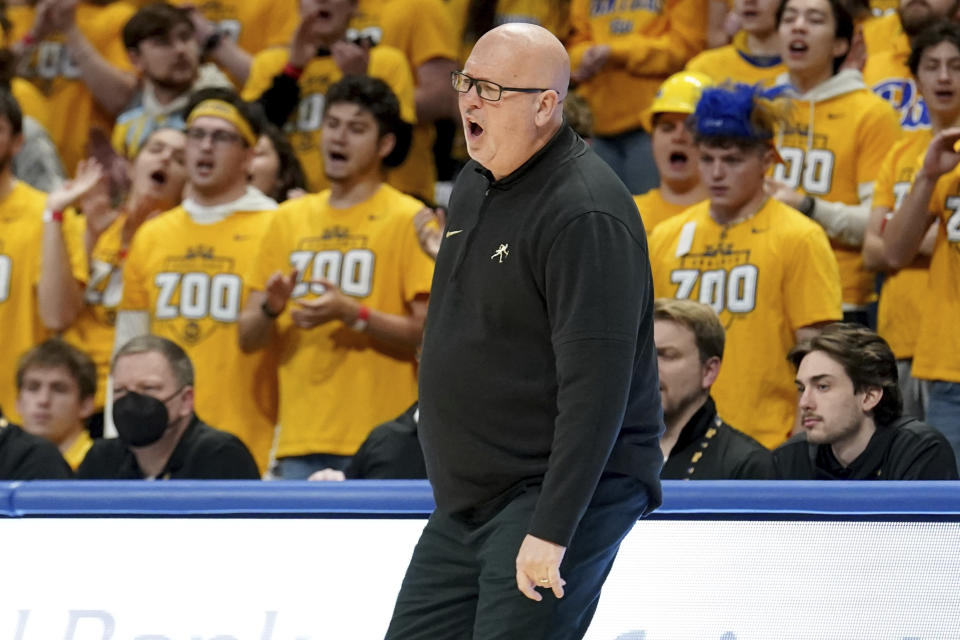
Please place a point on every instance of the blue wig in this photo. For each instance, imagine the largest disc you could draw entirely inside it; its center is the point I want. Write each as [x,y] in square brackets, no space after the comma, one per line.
[725,112]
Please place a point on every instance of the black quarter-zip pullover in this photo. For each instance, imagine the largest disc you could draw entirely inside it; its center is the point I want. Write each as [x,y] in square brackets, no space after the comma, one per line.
[538,365]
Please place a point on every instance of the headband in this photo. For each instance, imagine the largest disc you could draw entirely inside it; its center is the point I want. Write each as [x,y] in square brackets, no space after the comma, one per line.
[224,111]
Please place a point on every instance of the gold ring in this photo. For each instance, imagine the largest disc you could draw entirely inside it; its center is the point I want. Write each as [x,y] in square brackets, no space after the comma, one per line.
[544,580]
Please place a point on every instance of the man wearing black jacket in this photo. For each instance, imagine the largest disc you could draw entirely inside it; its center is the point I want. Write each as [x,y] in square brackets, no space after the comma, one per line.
[698,444]
[539,404]
[851,423]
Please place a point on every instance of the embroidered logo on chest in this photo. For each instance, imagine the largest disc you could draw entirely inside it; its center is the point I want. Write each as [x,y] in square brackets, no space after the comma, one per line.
[500,253]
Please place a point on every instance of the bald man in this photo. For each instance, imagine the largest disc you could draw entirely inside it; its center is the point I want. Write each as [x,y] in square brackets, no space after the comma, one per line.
[539,401]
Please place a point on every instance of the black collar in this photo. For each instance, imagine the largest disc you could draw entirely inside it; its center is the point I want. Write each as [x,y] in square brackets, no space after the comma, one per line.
[696,428]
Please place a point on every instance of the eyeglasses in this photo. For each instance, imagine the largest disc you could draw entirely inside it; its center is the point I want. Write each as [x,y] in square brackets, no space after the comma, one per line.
[219,137]
[490,91]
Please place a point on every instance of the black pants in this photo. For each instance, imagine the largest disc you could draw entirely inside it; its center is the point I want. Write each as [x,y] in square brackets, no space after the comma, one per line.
[461,582]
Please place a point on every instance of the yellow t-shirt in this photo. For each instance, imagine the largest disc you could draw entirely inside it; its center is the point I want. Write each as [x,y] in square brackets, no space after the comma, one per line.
[729,63]
[905,292]
[254,25]
[303,129]
[654,209]
[21,239]
[77,450]
[648,41]
[766,277]
[885,32]
[937,354]
[886,74]
[32,102]
[190,278]
[549,14]
[93,329]
[832,156]
[74,112]
[422,30]
[336,384]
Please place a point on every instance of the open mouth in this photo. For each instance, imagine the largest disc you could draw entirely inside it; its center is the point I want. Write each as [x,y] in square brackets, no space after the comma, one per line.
[798,46]
[944,94]
[203,167]
[324,14]
[475,129]
[337,156]
[678,160]
[750,13]
[159,177]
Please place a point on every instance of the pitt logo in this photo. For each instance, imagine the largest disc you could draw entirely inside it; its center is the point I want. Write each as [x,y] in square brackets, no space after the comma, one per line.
[500,253]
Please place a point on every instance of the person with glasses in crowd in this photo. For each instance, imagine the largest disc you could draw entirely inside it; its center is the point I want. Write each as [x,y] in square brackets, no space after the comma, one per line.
[539,410]
[160,436]
[184,273]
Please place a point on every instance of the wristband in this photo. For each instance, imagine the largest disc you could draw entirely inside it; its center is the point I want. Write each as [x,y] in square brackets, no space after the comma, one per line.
[292,71]
[267,311]
[28,40]
[883,223]
[212,42]
[52,216]
[363,319]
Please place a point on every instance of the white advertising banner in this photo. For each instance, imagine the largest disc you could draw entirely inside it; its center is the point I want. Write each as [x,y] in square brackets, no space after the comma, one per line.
[317,579]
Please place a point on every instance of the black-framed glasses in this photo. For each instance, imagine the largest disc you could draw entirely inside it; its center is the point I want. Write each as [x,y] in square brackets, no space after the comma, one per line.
[219,137]
[490,91]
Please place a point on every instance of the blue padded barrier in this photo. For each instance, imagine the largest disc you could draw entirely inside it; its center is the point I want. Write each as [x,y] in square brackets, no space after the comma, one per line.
[414,498]
[6,498]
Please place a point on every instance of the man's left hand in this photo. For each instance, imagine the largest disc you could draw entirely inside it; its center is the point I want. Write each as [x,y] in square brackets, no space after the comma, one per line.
[538,565]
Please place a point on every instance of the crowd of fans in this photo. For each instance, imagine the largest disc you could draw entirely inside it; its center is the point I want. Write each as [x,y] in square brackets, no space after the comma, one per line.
[218,225]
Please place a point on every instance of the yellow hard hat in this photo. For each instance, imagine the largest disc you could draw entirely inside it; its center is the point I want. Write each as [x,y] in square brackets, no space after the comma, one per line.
[678,94]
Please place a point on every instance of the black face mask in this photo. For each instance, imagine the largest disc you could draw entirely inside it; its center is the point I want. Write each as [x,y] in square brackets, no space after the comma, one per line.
[141,419]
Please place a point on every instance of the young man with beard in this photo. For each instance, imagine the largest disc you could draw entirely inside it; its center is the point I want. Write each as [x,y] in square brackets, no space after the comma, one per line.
[935,63]
[318,57]
[159,40]
[157,177]
[764,268]
[160,436]
[833,139]
[673,150]
[340,290]
[698,444]
[851,426]
[42,267]
[887,72]
[184,275]
[56,384]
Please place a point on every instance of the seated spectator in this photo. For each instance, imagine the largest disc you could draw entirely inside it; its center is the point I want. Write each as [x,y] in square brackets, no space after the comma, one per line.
[391,452]
[42,270]
[851,426]
[755,54]
[673,150]
[275,170]
[697,444]
[339,290]
[56,384]
[28,457]
[159,40]
[160,436]
[762,266]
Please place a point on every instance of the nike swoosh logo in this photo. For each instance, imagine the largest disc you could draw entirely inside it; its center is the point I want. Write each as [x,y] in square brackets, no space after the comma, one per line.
[453,233]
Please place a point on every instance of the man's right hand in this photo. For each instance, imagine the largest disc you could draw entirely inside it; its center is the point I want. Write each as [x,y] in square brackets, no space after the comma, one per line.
[941,156]
[430,224]
[278,290]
